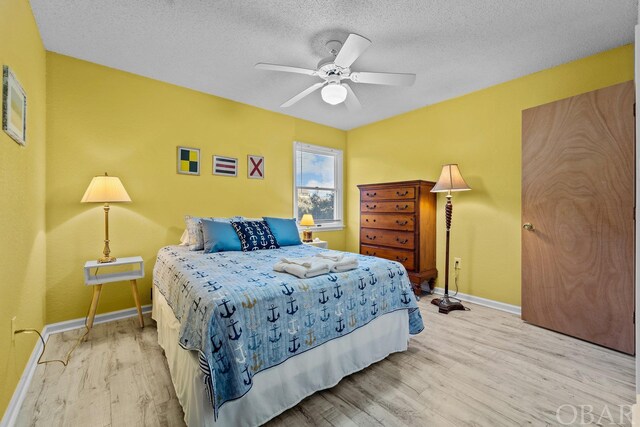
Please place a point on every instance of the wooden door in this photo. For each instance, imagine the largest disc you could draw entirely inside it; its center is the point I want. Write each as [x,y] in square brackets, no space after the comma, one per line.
[578,193]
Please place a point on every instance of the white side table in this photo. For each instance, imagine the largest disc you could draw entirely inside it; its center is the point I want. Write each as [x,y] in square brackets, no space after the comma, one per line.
[97,274]
[318,243]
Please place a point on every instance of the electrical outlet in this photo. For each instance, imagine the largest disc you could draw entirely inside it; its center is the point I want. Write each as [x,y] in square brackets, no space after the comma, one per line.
[13,329]
[457,263]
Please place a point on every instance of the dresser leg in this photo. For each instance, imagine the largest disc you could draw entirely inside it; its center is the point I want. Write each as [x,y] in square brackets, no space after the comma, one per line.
[417,290]
[432,284]
[136,298]
[94,305]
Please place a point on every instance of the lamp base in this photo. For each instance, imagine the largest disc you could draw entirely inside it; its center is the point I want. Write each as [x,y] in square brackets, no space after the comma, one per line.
[106,259]
[446,304]
[307,236]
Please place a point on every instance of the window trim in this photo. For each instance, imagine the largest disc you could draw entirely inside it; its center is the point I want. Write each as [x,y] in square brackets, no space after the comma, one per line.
[338,224]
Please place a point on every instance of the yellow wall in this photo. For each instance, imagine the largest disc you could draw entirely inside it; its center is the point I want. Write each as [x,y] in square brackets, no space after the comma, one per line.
[482,132]
[22,191]
[101,119]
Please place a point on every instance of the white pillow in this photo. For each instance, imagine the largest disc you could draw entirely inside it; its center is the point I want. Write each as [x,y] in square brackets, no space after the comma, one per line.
[184,239]
[194,229]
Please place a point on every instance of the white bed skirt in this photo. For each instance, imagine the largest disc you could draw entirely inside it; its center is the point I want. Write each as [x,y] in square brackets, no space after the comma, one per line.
[280,387]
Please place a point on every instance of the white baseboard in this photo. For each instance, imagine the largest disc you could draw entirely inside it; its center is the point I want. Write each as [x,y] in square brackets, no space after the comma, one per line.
[513,309]
[10,415]
[69,325]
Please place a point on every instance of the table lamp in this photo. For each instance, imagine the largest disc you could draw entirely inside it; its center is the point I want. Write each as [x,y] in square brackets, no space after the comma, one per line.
[105,189]
[450,180]
[307,221]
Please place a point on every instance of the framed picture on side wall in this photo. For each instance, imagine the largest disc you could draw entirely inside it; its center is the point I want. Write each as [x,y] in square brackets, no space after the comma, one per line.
[14,107]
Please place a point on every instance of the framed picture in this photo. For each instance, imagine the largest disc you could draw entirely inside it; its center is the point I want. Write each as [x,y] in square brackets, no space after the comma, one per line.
[226,166]
[14,107]
[255,167]
[189,161]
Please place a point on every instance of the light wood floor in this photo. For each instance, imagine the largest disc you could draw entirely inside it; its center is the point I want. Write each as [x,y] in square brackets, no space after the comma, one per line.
[481,367]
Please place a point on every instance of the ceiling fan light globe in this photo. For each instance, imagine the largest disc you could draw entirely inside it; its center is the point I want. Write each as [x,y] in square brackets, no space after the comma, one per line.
[334,94]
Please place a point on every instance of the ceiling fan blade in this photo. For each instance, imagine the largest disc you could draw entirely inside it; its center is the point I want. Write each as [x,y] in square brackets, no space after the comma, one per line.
[352,102]
[286,68]
[351,50]
[302,94]
[392,79]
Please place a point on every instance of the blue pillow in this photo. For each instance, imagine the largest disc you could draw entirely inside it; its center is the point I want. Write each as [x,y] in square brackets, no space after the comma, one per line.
[284,230]
[219,236]
[254,235]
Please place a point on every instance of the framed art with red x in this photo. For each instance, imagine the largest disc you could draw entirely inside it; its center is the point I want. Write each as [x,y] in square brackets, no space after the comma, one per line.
[255,167]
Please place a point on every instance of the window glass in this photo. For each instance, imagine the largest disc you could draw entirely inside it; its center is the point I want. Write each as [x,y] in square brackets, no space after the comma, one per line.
[316,170]
[318,184]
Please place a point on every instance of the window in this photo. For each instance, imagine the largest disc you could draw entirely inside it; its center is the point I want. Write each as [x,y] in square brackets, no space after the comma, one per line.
[318,184]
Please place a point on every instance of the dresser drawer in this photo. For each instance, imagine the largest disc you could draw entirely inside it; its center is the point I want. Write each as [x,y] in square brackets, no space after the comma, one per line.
[408,206]
[404,222]
[399,193]
[396,239]
[406,258]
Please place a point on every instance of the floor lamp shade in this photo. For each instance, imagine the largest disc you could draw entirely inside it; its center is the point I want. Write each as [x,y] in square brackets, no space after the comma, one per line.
[450,180]
[106,189]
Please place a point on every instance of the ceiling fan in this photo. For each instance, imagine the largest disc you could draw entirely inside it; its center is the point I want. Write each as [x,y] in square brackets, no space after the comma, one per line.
[335,68]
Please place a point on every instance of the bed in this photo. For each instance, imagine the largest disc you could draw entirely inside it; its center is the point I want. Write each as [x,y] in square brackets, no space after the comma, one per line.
[244,343]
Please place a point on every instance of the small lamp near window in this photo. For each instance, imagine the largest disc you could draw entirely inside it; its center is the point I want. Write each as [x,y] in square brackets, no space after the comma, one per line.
[307,221]
[105,189]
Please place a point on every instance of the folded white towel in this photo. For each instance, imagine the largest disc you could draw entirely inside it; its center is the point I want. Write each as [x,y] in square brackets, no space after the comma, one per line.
[316,269]
[345,264]
[305,262]
[333,256]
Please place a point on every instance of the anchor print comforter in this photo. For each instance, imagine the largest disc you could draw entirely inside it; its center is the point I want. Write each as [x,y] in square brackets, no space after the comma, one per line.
[243,317]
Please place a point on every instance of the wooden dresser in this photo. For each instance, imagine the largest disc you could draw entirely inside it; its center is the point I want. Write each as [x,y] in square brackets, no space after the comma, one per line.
[398,222]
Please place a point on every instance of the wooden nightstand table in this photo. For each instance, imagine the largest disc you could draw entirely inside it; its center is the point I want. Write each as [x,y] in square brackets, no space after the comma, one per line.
[318,243]
[97,274]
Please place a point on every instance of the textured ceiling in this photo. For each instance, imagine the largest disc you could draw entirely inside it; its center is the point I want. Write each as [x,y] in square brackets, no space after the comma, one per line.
[454,46]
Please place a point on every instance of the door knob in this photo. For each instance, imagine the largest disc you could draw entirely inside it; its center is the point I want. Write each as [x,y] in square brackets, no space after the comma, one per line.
[528,226]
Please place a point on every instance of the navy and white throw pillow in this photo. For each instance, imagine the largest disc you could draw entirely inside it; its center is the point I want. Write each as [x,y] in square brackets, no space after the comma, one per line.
[255,235]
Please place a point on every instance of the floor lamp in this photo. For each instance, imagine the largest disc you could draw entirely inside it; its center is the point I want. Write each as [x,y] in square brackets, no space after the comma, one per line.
[450,180]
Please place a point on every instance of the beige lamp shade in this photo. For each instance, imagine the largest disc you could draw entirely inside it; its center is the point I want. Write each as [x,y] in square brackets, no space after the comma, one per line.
[450,180]
[105,189]
[307,220]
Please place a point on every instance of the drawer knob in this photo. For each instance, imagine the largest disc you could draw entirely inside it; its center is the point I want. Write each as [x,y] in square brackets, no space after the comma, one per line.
[401,208]
[402,242]
[371,238]
[399,194]
[403,259]
[371,254]
[401,222]
[367,220]
[371,194]
[371,207]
